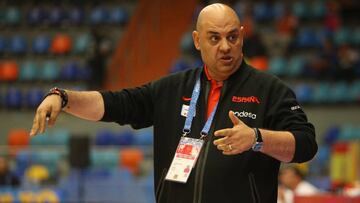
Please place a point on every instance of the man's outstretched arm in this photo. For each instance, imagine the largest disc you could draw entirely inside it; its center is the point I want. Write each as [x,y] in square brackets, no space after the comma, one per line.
[87,105]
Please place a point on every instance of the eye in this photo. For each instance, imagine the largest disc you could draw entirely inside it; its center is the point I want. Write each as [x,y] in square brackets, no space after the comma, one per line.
[232,38]
[214,38]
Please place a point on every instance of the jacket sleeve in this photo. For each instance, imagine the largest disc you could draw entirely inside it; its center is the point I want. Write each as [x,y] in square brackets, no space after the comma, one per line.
[285,114]
[132,106]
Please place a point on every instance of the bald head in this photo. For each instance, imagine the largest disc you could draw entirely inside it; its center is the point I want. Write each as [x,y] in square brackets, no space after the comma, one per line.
[216,13]
[219,38]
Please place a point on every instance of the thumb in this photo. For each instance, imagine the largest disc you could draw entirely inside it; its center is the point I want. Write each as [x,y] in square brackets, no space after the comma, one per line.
[235,120]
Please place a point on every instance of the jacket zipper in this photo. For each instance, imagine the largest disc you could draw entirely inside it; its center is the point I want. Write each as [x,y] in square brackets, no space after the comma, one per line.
[253,188]
[160,187]
[199,178]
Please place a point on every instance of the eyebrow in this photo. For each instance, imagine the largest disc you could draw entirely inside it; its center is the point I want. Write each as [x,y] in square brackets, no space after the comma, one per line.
[235,30]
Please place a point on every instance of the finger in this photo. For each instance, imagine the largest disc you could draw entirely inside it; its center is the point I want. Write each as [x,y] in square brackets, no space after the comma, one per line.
[52,117]
[234,119]
[223,147]
[220,141]
[224,132]
[232,152]
[35,126]
[42,121]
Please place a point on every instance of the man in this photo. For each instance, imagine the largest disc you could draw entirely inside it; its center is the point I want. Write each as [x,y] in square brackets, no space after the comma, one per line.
[254,121]
[7,178]
[293,183]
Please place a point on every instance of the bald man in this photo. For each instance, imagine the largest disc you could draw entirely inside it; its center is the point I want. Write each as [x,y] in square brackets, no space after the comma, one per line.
[220,131]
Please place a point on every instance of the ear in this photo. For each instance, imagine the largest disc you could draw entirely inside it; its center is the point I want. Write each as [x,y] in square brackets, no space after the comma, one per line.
[242,34]
[195,36]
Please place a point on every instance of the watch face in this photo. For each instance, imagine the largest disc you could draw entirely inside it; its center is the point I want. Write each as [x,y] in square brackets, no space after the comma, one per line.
[257,146]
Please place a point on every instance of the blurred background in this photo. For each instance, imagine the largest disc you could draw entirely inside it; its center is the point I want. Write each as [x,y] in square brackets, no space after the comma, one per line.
[313,45]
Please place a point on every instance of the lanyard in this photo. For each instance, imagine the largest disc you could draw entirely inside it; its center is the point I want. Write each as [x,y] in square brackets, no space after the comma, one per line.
[191,112]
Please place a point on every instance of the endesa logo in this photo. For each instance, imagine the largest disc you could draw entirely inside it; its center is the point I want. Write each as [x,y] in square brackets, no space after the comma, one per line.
[244,114]
[249,99]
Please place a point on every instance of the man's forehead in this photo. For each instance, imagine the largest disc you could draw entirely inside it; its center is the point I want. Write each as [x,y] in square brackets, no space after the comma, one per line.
[217,16]
[223,28]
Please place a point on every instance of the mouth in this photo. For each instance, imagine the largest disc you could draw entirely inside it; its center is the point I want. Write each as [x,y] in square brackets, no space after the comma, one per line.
[226,59]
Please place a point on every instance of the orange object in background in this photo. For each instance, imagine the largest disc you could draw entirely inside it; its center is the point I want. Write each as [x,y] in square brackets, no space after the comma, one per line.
[17,140]
[131,159]
[61,44]
[9,71]
[18,137]
[259,62]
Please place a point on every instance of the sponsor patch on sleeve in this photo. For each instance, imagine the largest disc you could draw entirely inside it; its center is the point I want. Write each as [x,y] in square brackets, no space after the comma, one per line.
[293,108]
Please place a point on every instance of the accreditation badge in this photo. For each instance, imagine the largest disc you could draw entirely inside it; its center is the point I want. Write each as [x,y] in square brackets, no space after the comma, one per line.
[184,160]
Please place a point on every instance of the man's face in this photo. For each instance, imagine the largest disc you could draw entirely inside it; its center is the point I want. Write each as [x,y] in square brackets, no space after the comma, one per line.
[220,41]
[288,178]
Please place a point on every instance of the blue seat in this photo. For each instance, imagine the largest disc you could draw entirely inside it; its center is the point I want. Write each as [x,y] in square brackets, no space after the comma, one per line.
[322,92]
[56,16]
[34,97]
[104,137]
[300,9]
[82,44]
[342,36]
[13,16]
[144,137]
[105,159]
[41,139]
[308,38]
[69,71]
[318,9]
[29,71]
[125,137]
[60,137]
[277,66]
[262,12]
[304,93]
[36,16]
[23,160]
[118,15]
[340,92]
[348,133]
[356,36]
[296,66]
[278,9]
[41,44]
[50,71]
[354,92]
[332,135]
[83,73]
[17,45]
[98,16]
[186,43]
[13,98]
[76,16]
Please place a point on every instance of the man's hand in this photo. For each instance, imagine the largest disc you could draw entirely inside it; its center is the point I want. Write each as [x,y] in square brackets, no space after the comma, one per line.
[237,139]
[50,107]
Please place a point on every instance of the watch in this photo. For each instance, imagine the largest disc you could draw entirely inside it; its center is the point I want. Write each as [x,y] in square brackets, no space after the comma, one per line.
[61,92]
[258,142]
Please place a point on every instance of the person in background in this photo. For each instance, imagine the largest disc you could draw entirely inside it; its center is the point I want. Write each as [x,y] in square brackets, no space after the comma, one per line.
[292,183]
[7,178]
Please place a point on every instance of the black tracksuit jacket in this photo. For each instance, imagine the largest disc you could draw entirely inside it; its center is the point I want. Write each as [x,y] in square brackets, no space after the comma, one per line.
[257,98]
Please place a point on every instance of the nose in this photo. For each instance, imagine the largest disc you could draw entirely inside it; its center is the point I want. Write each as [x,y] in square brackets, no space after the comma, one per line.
[224,46]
